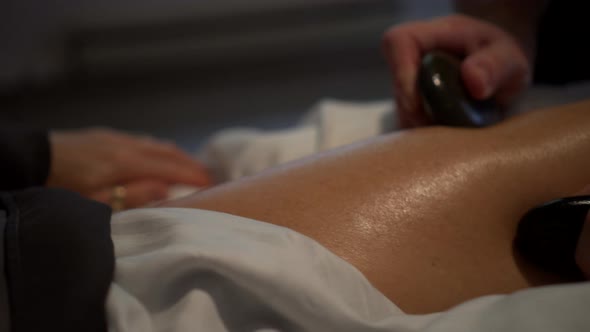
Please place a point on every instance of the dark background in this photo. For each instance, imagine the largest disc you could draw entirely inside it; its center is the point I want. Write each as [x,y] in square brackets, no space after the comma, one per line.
[183,69]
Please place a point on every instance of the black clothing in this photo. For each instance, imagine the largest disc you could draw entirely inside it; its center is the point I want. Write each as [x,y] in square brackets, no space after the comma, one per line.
[24,157]
[562,53]
[58,260]
[56,253]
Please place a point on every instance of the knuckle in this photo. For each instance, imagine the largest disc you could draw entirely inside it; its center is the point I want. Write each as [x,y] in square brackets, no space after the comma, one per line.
[452,22]
[172,149]
[119,157]
[479,29]
[398,33]
[90,182]
[459,18]
[462,20]
[102,134]
[100,130]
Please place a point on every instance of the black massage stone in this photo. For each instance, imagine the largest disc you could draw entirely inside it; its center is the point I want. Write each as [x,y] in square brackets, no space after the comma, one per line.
[445,98]
[548,235]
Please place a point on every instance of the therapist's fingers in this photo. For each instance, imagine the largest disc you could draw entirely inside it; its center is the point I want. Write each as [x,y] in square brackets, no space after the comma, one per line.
[168,169]
[500,69]
[403,55]
[91,159]
[406,44]
[169,163]
[149,158]
[136,194]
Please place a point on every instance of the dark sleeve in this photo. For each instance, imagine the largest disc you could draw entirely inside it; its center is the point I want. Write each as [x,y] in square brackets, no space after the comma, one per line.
[559,60]
[58,261]
[24,157]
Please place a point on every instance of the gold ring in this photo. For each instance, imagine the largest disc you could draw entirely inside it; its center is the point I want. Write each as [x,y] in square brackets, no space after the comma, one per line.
[118,195]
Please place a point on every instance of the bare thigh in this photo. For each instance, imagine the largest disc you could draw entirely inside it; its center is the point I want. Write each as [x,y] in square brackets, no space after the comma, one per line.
[428,216]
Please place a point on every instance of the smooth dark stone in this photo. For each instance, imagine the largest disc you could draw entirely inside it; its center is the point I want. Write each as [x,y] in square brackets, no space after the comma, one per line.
[445,98]
[548,235]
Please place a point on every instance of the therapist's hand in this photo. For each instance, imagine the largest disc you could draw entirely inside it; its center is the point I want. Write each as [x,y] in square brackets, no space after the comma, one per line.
[94,161]
[495,63]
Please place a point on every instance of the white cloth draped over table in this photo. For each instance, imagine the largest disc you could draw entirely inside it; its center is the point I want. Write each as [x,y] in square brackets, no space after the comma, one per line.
[180,270]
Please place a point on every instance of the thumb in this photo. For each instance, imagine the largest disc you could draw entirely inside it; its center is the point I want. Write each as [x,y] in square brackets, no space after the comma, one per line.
[500,69]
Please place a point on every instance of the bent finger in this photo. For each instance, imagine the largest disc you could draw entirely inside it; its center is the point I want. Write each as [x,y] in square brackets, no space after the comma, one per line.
[170,171]
[194,172]
[500,69]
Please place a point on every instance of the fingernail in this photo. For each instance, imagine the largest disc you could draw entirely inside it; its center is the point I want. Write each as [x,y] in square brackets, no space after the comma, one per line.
[483,81]
[548,235]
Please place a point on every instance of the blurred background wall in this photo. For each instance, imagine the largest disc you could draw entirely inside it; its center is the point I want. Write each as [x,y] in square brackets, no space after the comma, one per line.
[182,69]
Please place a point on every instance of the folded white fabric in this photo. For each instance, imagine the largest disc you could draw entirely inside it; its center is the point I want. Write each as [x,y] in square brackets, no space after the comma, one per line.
[238,152]
[183,270]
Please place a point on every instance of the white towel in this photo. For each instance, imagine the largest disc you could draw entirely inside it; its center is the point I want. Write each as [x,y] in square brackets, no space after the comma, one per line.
[238,152]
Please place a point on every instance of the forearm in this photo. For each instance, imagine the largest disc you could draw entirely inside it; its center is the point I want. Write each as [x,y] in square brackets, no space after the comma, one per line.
[427,215]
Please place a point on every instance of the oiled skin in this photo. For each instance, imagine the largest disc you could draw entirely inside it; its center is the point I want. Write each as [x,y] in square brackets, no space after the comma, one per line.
[428,215]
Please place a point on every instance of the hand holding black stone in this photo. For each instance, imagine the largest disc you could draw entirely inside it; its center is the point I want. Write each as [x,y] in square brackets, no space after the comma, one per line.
[446,101]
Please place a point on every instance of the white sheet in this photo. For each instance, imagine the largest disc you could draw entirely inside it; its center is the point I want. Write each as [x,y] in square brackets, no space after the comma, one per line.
[183,270]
